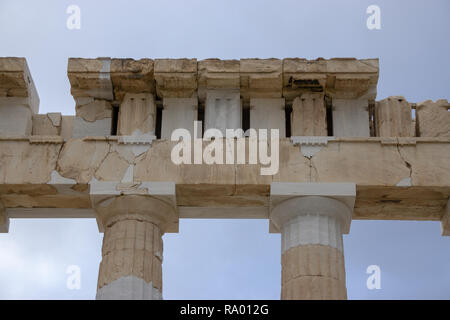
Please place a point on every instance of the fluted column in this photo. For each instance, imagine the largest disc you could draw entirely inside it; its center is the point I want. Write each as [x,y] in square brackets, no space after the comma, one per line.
[131,261]
[312,256]
[132,252]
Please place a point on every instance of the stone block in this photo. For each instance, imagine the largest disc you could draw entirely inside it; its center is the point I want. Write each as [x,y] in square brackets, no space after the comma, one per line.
[16,84]
[309,115]
[351,118]
[47,124]
[67,124]
[133,76]
[261,78]
[178,113]
[176,78]
[90,78]
[433,118]
[137,114]
[223,110]
[218,74]
[393,117]
[15,119]
[268,114]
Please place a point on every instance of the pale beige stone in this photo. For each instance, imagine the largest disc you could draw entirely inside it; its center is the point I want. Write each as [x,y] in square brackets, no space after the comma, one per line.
[133,76]
[131,248]
[90,78]
[67,123]
[340,162]
[268,114]
[137,113]
[25,163]
[112,168]
[80,159]
[218,74]
[308,116]
[16,84]
[261,78]
[393,117]
[43,125]
[433,118]
[176,78]
[342,78]
[95,110]
[313,272]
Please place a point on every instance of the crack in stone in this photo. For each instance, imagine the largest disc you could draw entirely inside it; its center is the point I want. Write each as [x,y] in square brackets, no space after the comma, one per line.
[408,165]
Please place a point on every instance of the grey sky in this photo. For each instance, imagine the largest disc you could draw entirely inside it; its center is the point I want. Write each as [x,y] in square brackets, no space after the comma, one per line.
[229,259]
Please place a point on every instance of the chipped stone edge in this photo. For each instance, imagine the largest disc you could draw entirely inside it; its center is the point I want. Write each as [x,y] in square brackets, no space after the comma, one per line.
[310,145]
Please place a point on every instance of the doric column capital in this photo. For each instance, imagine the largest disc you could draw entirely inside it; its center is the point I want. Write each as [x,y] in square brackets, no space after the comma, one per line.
[291,200]
[152,202]
[312,218]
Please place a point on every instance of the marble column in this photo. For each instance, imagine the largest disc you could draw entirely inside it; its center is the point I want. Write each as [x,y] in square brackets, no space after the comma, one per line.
[132,251]
[311,221]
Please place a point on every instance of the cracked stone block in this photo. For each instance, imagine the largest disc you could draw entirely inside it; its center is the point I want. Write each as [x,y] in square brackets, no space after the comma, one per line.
[178,113]
[223,110]
[433,118]
[268,114]
[309,115]
[137,113]
[393,117]
[94,110]
[351,118]
[47,124]
[82,128]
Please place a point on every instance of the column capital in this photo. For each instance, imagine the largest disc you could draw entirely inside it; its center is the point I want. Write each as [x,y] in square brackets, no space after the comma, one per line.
[153,202]
[290,200]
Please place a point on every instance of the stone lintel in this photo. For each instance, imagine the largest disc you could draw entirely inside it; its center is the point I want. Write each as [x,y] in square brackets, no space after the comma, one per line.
[282,192]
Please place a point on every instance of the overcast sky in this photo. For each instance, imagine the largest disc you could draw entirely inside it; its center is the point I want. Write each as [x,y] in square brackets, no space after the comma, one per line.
[229,259]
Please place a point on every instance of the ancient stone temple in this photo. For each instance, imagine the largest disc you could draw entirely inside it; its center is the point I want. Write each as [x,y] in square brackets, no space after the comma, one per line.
[338,154]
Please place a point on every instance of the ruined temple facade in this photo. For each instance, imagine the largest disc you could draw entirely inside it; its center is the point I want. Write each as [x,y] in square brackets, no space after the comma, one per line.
[343,155]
